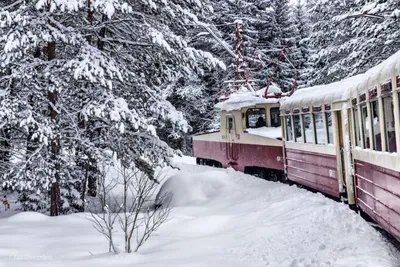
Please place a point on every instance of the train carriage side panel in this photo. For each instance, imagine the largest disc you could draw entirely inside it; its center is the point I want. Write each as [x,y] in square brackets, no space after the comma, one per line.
[313,149]
[378,187]
[210,146]
[256,151]
[313,166]
[376,157]
[233,147]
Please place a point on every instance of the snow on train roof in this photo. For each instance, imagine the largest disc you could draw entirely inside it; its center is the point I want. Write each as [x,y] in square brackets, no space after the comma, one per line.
[344,89]
[320,94]
[244,98]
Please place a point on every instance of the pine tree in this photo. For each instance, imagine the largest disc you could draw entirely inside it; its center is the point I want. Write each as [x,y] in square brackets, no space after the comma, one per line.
[286,32]
[346,42]
[268,29]
[375,38]
[301,22]
[84,80]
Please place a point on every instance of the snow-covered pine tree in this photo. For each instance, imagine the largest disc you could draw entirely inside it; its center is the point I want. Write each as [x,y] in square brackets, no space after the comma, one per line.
[50,65]
[348,42]
[194,94]
[225,16]
[376,38]
[301,22]
[333,40]
[269,27]
[286,37]
[262,47]
[266,47]
[85,80]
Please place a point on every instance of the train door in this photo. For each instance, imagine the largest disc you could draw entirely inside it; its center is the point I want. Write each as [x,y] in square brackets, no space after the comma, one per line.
[232,152]
[340,153]
[344,156]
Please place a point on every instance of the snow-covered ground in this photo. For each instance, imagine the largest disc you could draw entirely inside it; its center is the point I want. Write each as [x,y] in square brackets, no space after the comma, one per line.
[225,218]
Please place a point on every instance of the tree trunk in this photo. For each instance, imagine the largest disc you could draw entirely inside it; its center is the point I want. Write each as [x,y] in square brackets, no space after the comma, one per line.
[81,164]
[102,34]
[5,144]
[55,143]
[92,177]
[89,17]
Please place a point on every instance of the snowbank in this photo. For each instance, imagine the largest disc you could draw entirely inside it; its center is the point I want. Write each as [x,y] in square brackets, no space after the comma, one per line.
[194,189]
[270,132]
[27,216]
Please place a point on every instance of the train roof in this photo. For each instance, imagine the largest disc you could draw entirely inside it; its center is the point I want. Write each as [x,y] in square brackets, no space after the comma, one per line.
[345,89]
[322,94]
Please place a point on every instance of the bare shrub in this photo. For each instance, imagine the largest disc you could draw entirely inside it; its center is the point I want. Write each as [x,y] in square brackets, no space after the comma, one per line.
[104,218]
[139,213]
[134,208]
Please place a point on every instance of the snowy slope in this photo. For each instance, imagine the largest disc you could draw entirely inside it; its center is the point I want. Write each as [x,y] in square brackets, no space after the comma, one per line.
[244,222]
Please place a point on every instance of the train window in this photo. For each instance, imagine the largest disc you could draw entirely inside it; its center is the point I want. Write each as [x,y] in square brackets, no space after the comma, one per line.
[388,111]
[329,126]
[289,130]
[255,118]
[230,124]
[365,125]
[275,119]
[356,124]
[376,127]
[308,129]
[298,136]
[319,128]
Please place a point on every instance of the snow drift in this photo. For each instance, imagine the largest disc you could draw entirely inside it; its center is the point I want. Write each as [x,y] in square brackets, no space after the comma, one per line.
[186,189]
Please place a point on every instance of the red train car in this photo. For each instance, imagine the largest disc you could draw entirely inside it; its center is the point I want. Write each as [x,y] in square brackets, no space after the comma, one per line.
[343,139]
[250,139]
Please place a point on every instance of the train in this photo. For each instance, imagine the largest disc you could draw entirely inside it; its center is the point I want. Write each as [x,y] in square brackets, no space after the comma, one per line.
[341,139]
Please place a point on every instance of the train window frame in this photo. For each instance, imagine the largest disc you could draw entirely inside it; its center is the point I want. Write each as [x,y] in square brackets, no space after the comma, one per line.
[356,127]
[289,120]
[364,130]
[230,124]
[263,112]
[297,138]
[275,111]
[375,127]
[389,148]
[311,124]
[330,138]
[317,140]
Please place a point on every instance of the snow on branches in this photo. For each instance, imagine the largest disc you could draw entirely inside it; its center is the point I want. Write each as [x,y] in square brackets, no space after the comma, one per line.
[79,77]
